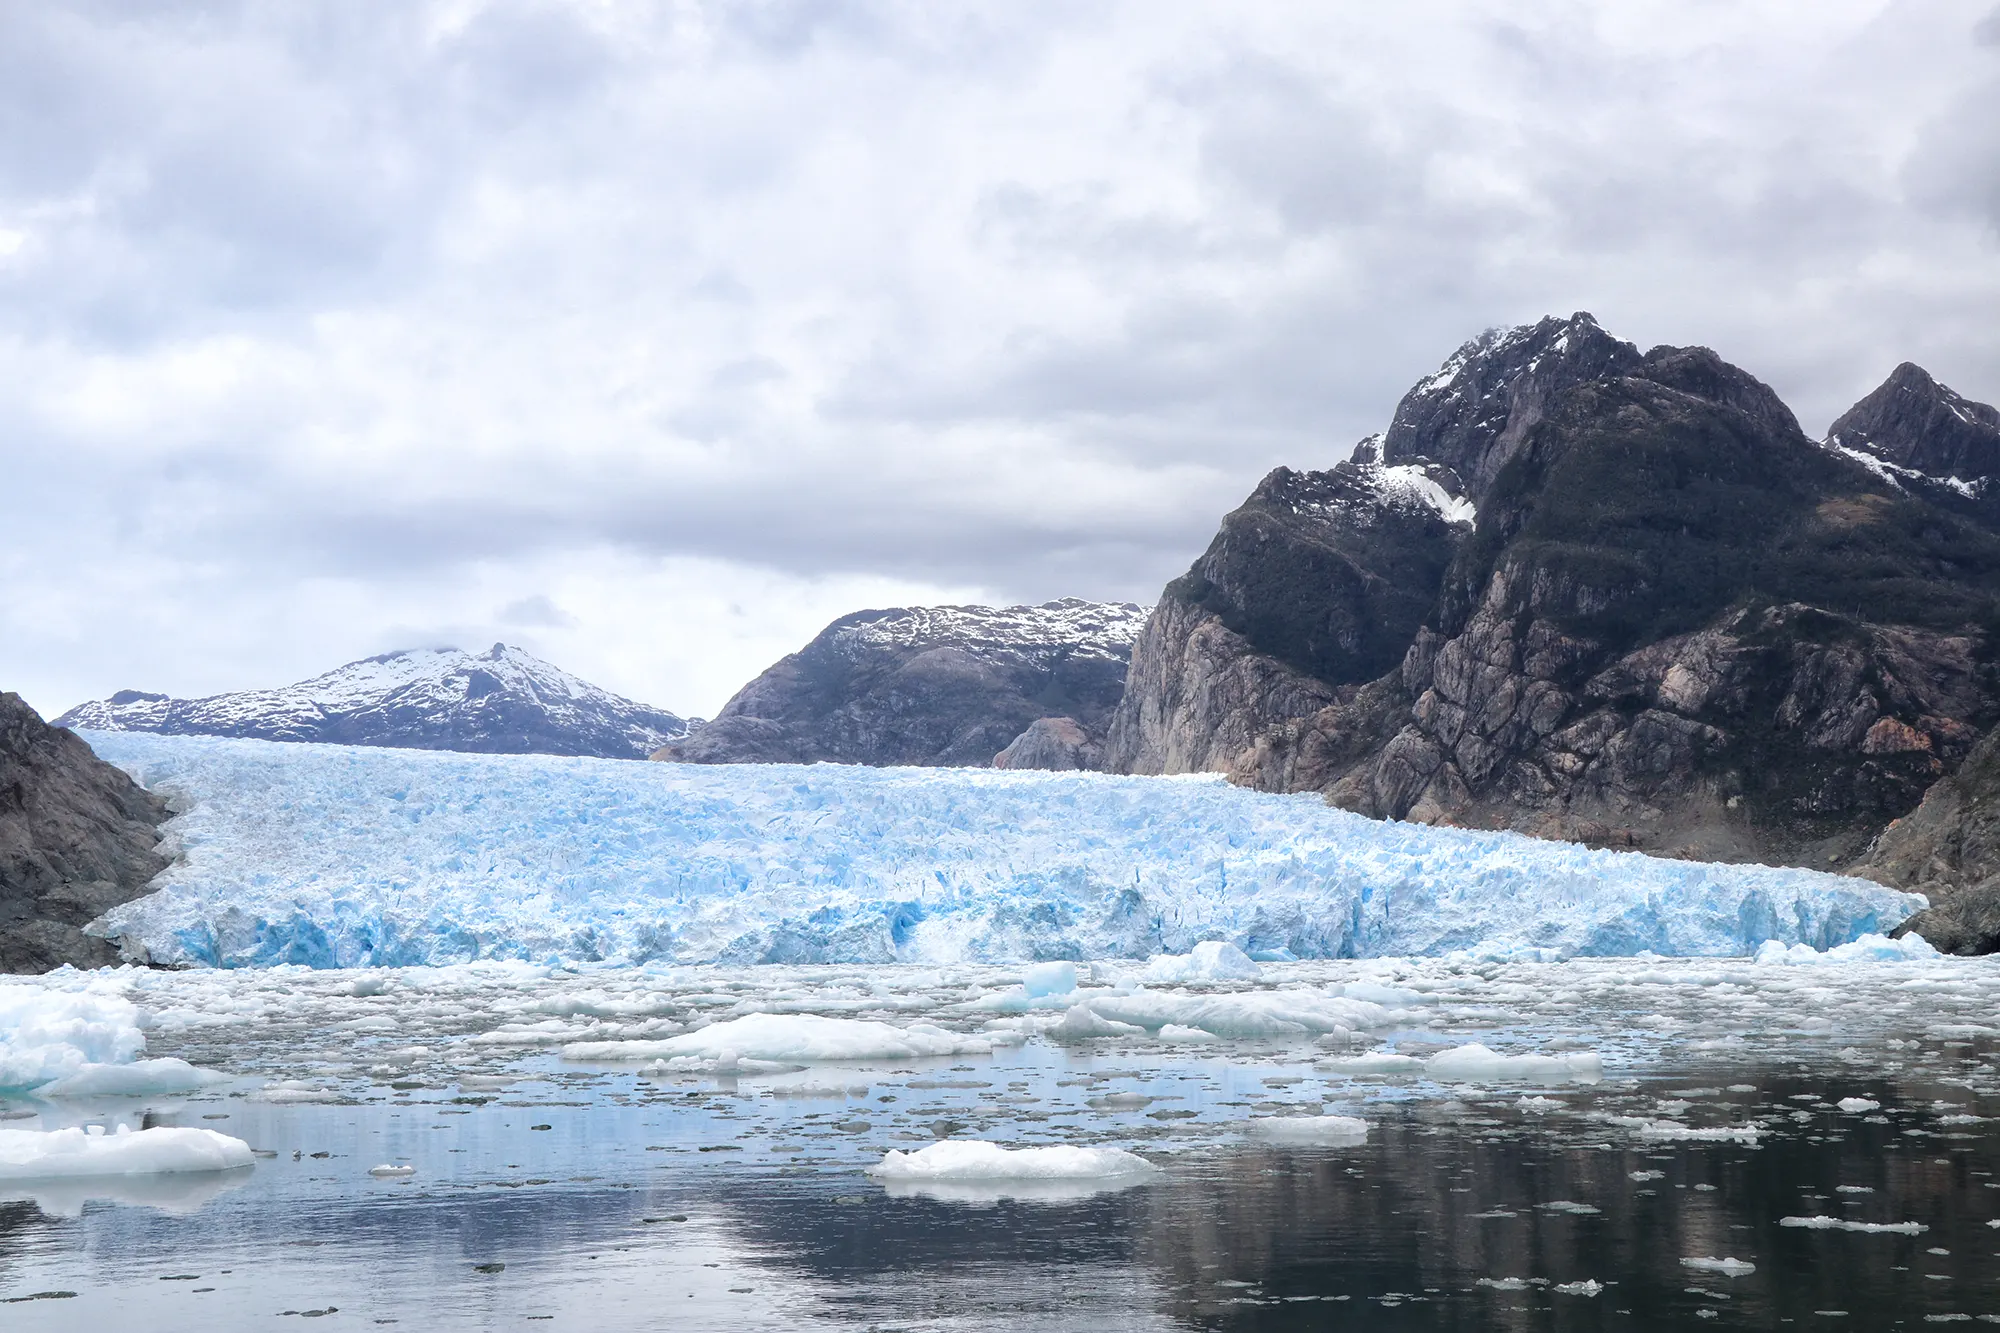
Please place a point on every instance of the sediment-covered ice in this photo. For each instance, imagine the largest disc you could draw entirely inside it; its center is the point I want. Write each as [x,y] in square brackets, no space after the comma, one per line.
[349,857]
[59,1154]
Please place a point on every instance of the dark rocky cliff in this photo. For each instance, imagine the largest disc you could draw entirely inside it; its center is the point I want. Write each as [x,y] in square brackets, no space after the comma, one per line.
[1679,624]
[936,686]
[1948,849]
[77,838]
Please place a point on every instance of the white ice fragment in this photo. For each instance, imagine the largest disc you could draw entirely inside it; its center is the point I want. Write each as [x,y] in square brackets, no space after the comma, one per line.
[1176,1034]
[58,1154]
[1842,1224]
[1049,979]
[980,1160]
[1858,1104]
[1475,1063]
[1211,960]
[1587,1287]
[46,1035]
[809,1038]
[1328,1129]
[1081,1023]
[1674,1130]
[390,1171]
[1503,1283]
[141,1078]
[1374,1062]
[1731,1267]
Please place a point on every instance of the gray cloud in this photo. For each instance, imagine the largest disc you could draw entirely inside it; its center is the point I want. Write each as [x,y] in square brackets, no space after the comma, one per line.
[668,332]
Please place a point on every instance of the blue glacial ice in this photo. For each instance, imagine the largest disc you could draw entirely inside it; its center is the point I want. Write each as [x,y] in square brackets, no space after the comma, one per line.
[335,856]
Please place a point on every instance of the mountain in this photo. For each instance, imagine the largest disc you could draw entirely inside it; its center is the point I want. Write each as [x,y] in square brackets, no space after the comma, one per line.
[939,686]
[1675,623]
[77,838]
[1949,849]
[501,701]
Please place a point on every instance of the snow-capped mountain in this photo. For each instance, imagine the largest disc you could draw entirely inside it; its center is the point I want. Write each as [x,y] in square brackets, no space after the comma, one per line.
[929,685]
[501,701]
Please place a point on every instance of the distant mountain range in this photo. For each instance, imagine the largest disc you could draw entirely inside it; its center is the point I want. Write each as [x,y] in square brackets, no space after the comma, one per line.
[939,685]
[501,701]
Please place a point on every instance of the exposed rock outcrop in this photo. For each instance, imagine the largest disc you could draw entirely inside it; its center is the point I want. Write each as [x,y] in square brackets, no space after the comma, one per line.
[936,686]
[501,701]
[1679,625]
[1054,744]
[1914,422]
[77,838]
[1948,848]
[1317,582]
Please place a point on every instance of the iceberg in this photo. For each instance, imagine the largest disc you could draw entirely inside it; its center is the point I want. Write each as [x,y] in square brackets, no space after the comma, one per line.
[335,856]
[1332,1130]
[978,1160]
[89,1152]
[82,1043]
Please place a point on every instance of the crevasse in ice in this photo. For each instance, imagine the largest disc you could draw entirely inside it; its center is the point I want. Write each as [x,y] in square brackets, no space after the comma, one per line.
[336,856]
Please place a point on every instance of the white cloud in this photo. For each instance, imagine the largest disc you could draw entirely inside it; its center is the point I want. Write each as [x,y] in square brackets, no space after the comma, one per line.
[340,322]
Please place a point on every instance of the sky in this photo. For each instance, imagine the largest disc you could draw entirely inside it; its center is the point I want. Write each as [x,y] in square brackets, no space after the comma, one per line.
[651,337]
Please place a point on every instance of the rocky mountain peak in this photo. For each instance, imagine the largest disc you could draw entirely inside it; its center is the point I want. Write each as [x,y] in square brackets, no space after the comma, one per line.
[1912,421]
[1474,414]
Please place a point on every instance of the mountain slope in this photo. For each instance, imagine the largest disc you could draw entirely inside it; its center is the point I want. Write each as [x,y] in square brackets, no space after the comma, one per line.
[939,686]
[1679,624]
[77,838]
[502,701]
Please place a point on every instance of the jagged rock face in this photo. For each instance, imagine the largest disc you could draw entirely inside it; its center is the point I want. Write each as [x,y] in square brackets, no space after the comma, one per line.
[1914,422]
[1949,849]
[936,686]
[1475,413]
[1053,744]
[1683,626]
[502,701]
[77,838]
[1315,583]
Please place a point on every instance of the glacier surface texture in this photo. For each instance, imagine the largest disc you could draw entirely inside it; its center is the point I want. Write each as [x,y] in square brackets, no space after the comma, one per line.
[335,856]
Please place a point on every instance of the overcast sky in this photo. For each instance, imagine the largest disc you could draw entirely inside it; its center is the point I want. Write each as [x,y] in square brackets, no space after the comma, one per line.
[651,337]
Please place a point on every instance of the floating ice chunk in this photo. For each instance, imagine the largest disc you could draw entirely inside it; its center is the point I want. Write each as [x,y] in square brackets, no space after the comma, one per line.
[391,1171]
[57,1154]
[1331,1129]
[1539,1105]
[1842,1224]
[1049,979]
[1731,1267]
[980,1160]
[1375,1062]
[1675,1131]
[1175,1033]
[1081,1023]
[1503,1283]
[807,1038]
[1869,948]
[1858,1104]
[1211,960]
[46,1035]
[1475,1063]
[142,1078]
[1590,1286]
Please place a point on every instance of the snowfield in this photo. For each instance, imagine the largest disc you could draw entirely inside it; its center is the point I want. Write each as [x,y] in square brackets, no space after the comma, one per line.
[334,856]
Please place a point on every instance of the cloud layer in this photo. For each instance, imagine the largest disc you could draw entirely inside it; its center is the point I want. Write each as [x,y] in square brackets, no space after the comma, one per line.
[651,337]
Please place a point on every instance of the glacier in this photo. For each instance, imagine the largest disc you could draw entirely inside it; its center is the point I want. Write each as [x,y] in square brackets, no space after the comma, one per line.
[337,856]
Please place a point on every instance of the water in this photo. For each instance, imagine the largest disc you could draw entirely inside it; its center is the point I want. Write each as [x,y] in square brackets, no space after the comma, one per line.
[553,1194]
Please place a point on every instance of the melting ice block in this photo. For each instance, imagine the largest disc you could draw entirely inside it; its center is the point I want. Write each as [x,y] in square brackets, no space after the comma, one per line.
[803,1038]
[979,1160]
[67,1154]
[1328,1129]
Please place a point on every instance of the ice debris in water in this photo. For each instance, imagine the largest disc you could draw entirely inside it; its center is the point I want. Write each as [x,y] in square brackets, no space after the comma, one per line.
[1857,1104]
[76,1037]
[1049,979]
[1587,1287]
[1842,1224]
[804,1038]
[61,1154]
[1327,1129]
[1476,1063]
[1731,1267]
[1211,960]
[977,1159]
[391,1171]
[337,856]
[1869,948]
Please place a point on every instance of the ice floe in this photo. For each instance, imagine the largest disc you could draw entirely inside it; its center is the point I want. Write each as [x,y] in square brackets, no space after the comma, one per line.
[979,1160]
[804,1038]
[1326,1129]
[1843,1224]
[338,856]
[88,1151]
